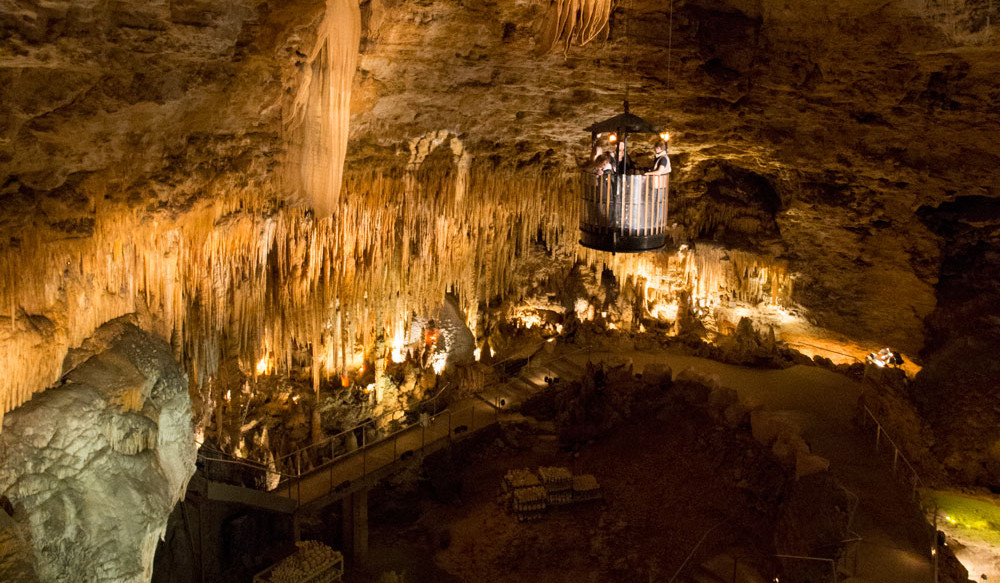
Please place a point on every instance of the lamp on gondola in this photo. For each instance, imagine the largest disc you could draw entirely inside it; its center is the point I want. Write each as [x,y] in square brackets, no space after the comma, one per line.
[621,211]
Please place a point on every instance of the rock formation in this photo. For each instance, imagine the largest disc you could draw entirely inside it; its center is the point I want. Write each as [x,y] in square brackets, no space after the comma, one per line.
[93,466]
[834,166]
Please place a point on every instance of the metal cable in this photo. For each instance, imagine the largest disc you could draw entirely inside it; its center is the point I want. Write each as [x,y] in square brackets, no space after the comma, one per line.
[628,50]
[670,41]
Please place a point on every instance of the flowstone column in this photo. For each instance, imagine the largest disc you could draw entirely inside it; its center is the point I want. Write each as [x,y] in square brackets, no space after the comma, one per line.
[94,466]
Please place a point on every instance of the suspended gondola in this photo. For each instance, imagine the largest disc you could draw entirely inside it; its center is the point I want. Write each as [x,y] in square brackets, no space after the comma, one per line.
[622,210]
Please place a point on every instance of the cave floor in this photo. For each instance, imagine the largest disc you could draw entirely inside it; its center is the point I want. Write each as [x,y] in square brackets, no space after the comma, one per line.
[664,486]
[895,542]
[895,546]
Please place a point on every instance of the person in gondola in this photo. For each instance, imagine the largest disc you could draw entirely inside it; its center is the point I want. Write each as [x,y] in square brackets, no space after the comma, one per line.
[622,160]
[661,163]
[599,161]
[602,163]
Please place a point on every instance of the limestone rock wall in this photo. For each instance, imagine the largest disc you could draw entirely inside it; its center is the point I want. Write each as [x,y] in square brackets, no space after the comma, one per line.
[810,132]
[956,390]
[93,466]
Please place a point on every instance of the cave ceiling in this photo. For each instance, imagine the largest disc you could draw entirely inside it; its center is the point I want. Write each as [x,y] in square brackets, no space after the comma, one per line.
[828,125]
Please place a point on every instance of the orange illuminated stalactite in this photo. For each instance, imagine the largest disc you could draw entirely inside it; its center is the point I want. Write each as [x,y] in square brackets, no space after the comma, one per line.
[431,337]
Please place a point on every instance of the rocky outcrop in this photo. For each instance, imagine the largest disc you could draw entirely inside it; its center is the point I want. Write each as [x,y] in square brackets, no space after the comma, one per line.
[93,467]
[888,394]
[603,399]
[780,431]
[16,555]
[956,390]
[813,521]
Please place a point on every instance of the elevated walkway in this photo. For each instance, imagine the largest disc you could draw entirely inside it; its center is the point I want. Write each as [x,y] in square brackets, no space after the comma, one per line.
[328,472]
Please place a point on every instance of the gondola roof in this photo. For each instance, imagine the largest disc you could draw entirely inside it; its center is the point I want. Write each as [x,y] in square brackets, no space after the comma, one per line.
[624,122]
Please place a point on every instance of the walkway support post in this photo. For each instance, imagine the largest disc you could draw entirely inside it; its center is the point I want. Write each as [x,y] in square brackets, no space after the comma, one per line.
[355,525]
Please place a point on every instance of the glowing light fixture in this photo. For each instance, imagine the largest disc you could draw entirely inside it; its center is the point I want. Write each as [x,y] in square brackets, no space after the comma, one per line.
[613,138]
[665,136]
[438,362]
[264,365]
[398,354]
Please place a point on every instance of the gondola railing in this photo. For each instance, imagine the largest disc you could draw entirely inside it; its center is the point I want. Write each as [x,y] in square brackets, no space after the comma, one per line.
[624,213]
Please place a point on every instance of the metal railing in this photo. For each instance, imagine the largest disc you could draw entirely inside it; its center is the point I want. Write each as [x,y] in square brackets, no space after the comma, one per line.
[693,550]
[626,212]
[881,437]
[308,458]
[736,560]
[915,482]
[291,468]
[375,456]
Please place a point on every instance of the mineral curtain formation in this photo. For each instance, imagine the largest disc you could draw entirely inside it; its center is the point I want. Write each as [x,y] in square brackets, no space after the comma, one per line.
[319,121]
[574,21]
[242,275]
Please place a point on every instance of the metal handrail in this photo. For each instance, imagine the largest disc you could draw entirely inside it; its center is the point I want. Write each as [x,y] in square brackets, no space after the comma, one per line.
[898,452]
[394,437]
[285,478]
[917,482]
[366,446]
[419,405]
[691,554]
[325,442]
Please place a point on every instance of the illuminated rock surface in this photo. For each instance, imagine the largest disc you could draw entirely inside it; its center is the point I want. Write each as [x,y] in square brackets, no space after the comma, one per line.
[94,466]
[834,177]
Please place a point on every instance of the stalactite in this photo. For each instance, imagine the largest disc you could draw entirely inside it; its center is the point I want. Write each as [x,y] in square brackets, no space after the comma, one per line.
[709,274]
[241,275]
[234,277]
[320,116]
[130,435]
[574,21]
